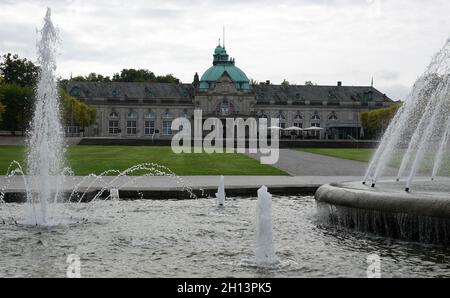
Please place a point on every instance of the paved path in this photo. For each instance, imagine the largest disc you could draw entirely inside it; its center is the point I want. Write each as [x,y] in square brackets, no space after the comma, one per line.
[159,183]
[298,163]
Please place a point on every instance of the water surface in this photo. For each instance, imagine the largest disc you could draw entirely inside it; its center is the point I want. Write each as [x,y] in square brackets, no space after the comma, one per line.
[194,238]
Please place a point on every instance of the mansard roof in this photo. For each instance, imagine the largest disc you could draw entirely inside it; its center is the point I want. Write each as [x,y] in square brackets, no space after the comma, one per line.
[264,93]
[92,90]
[301,93]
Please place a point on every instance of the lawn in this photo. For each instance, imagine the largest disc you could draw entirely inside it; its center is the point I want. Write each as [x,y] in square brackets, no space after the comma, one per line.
[85,160]
[365,155]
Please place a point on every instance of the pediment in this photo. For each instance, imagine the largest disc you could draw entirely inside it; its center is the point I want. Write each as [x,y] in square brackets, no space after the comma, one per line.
[225,84]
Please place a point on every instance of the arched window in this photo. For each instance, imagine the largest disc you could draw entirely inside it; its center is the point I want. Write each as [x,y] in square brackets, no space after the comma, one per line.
[315,117]
[282,120]
[185,114]
[149,123]
[149,115]
[167,123]
[114,115]
[298,121]
[131,123]
[333,117]
[225,108]
[167,115]
[132,115]
[113,123]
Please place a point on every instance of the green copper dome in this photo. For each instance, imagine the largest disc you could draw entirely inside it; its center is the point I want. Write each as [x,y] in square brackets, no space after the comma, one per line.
[221,65]
[219,50]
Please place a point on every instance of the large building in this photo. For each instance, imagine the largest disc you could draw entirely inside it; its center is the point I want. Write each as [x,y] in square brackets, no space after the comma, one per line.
[146,110]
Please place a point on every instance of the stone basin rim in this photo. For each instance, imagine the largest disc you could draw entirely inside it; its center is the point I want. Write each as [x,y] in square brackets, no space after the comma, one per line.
[427,204]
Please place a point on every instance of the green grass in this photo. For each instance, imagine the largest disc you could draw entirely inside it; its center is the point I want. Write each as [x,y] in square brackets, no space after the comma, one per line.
[365,155]
[97,159]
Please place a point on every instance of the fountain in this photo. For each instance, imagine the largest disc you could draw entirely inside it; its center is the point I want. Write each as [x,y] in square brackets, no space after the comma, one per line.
[417,141]
[220,195]
[265,252]
[45,155]
[47,182]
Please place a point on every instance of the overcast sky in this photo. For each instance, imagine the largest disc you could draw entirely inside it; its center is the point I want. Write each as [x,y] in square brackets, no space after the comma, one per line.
[324,41]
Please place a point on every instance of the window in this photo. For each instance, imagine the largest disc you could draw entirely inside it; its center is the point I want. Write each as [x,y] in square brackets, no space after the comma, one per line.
[113,127]
[149,127]
[75,91]
[114,115]
[315,117]
[116,93]
[282,120]
[131,123]
[333,117]
[149,123]
[167,123]
[131,127]
[148,92]
[316,133]
[225,108]
[167,127]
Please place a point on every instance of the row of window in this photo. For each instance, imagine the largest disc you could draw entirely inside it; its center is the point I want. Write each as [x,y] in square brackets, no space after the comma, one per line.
[148,115]
[149,127]
[299,117]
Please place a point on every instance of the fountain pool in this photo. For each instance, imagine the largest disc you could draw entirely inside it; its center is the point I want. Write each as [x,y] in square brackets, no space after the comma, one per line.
[195,238]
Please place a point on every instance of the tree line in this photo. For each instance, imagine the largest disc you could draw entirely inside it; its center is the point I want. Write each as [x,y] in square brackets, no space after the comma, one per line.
[375,122]
[18,79]
[128,75]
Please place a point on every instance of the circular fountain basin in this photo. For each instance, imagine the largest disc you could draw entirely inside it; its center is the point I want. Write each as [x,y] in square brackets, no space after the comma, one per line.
[420,215]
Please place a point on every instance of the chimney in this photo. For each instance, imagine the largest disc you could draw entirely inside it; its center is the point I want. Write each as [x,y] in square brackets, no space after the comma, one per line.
[339,83]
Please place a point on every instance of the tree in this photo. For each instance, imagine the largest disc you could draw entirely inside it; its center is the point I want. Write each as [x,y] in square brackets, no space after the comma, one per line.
[75,112]
[375,122]
[169,78]
[126,75]
[19,102]
[285,83]
[15,70]
[133,75]
[92,77]
[2,110]
[310,83]
[143,75]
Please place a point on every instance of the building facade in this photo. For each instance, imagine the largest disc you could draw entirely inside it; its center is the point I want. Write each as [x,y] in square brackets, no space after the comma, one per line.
[146,110]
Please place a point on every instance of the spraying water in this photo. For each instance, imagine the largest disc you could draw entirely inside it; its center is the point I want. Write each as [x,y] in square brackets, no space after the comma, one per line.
[220,195]
[418,134]
[265,252]
[45,141]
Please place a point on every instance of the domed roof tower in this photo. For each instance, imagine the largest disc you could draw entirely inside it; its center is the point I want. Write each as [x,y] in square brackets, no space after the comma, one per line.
[223,64]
